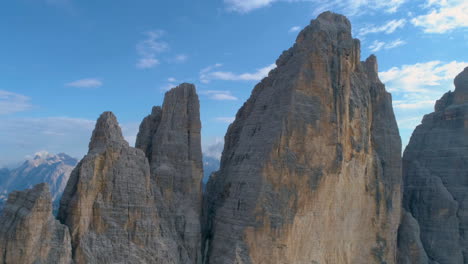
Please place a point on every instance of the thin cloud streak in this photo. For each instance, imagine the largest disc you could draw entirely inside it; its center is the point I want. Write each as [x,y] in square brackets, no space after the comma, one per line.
[85,83]
[12,102]
[206,75]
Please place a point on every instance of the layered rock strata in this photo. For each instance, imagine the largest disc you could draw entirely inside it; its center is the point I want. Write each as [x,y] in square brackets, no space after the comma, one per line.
[435,172]
[29,233]
[311,167]
[111,208]
[170,137]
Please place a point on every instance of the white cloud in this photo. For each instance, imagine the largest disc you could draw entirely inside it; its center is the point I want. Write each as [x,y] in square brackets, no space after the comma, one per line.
[85,83]
[379,45]
[244,6]
[443,16]
[387,28]
[294,29]
[415,89]
[420,77]
[12,102]
[227,120]
[180,58]
[219,95]
[376,45]
[148,48]
[207,74]
[348,7]
[214,149]
[171,79]
[411,104]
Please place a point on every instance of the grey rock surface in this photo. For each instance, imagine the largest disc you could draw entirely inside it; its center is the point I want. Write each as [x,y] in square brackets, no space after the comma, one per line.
[29,234]
[111,208]
[435,170]
[311,167]
[170,137]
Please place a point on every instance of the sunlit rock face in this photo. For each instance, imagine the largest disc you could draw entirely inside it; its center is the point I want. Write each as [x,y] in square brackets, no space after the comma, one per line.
[435,172]
[111,208]
[29,233]
[171,139]
[311,167]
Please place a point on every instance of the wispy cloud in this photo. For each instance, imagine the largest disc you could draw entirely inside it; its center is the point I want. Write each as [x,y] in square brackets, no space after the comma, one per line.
[208,74]
[443,16]
[387,28]
[148,48]
[244,6]
[219,95]
[420,77]
[227,120]
[349,7]
[379,45]
[415,89]
[180,58]
[294,29]
[85,83]
[214,149]
[12,102]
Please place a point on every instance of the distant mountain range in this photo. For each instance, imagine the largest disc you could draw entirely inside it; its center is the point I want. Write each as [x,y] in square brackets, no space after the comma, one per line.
[55,170]
[44,167]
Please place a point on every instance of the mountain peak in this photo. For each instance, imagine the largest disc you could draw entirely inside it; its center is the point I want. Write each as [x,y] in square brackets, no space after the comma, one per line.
[107,131]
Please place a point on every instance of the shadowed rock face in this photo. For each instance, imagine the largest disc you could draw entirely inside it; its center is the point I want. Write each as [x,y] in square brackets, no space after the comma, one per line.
[435,170]
[28,231]
[170,137]
[112,210]
[311,168]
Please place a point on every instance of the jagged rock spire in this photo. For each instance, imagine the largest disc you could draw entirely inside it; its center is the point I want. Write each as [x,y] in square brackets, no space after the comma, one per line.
[28,231]
[106,132]
[170,137]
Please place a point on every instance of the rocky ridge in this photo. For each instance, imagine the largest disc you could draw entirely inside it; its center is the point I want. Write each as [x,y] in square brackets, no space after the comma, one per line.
[435,226]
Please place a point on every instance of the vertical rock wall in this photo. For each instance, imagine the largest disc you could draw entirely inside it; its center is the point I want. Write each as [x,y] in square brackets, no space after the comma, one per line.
[311,167]
[435,172]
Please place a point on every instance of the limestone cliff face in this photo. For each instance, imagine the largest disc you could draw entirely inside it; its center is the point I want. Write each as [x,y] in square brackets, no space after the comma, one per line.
[170,137]
[29,234]
[311,168]
[113,213]
[435,172]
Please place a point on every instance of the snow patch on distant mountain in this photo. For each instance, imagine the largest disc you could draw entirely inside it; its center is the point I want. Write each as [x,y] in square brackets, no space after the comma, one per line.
[53,169]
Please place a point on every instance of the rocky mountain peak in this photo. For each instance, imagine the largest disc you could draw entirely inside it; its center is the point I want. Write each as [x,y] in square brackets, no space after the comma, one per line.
[171,139]
[271,200]
[28,231]
[461,87]
[106,132]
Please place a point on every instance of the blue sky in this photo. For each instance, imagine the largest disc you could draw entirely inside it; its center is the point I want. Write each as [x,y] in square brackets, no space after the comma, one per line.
[63,62]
